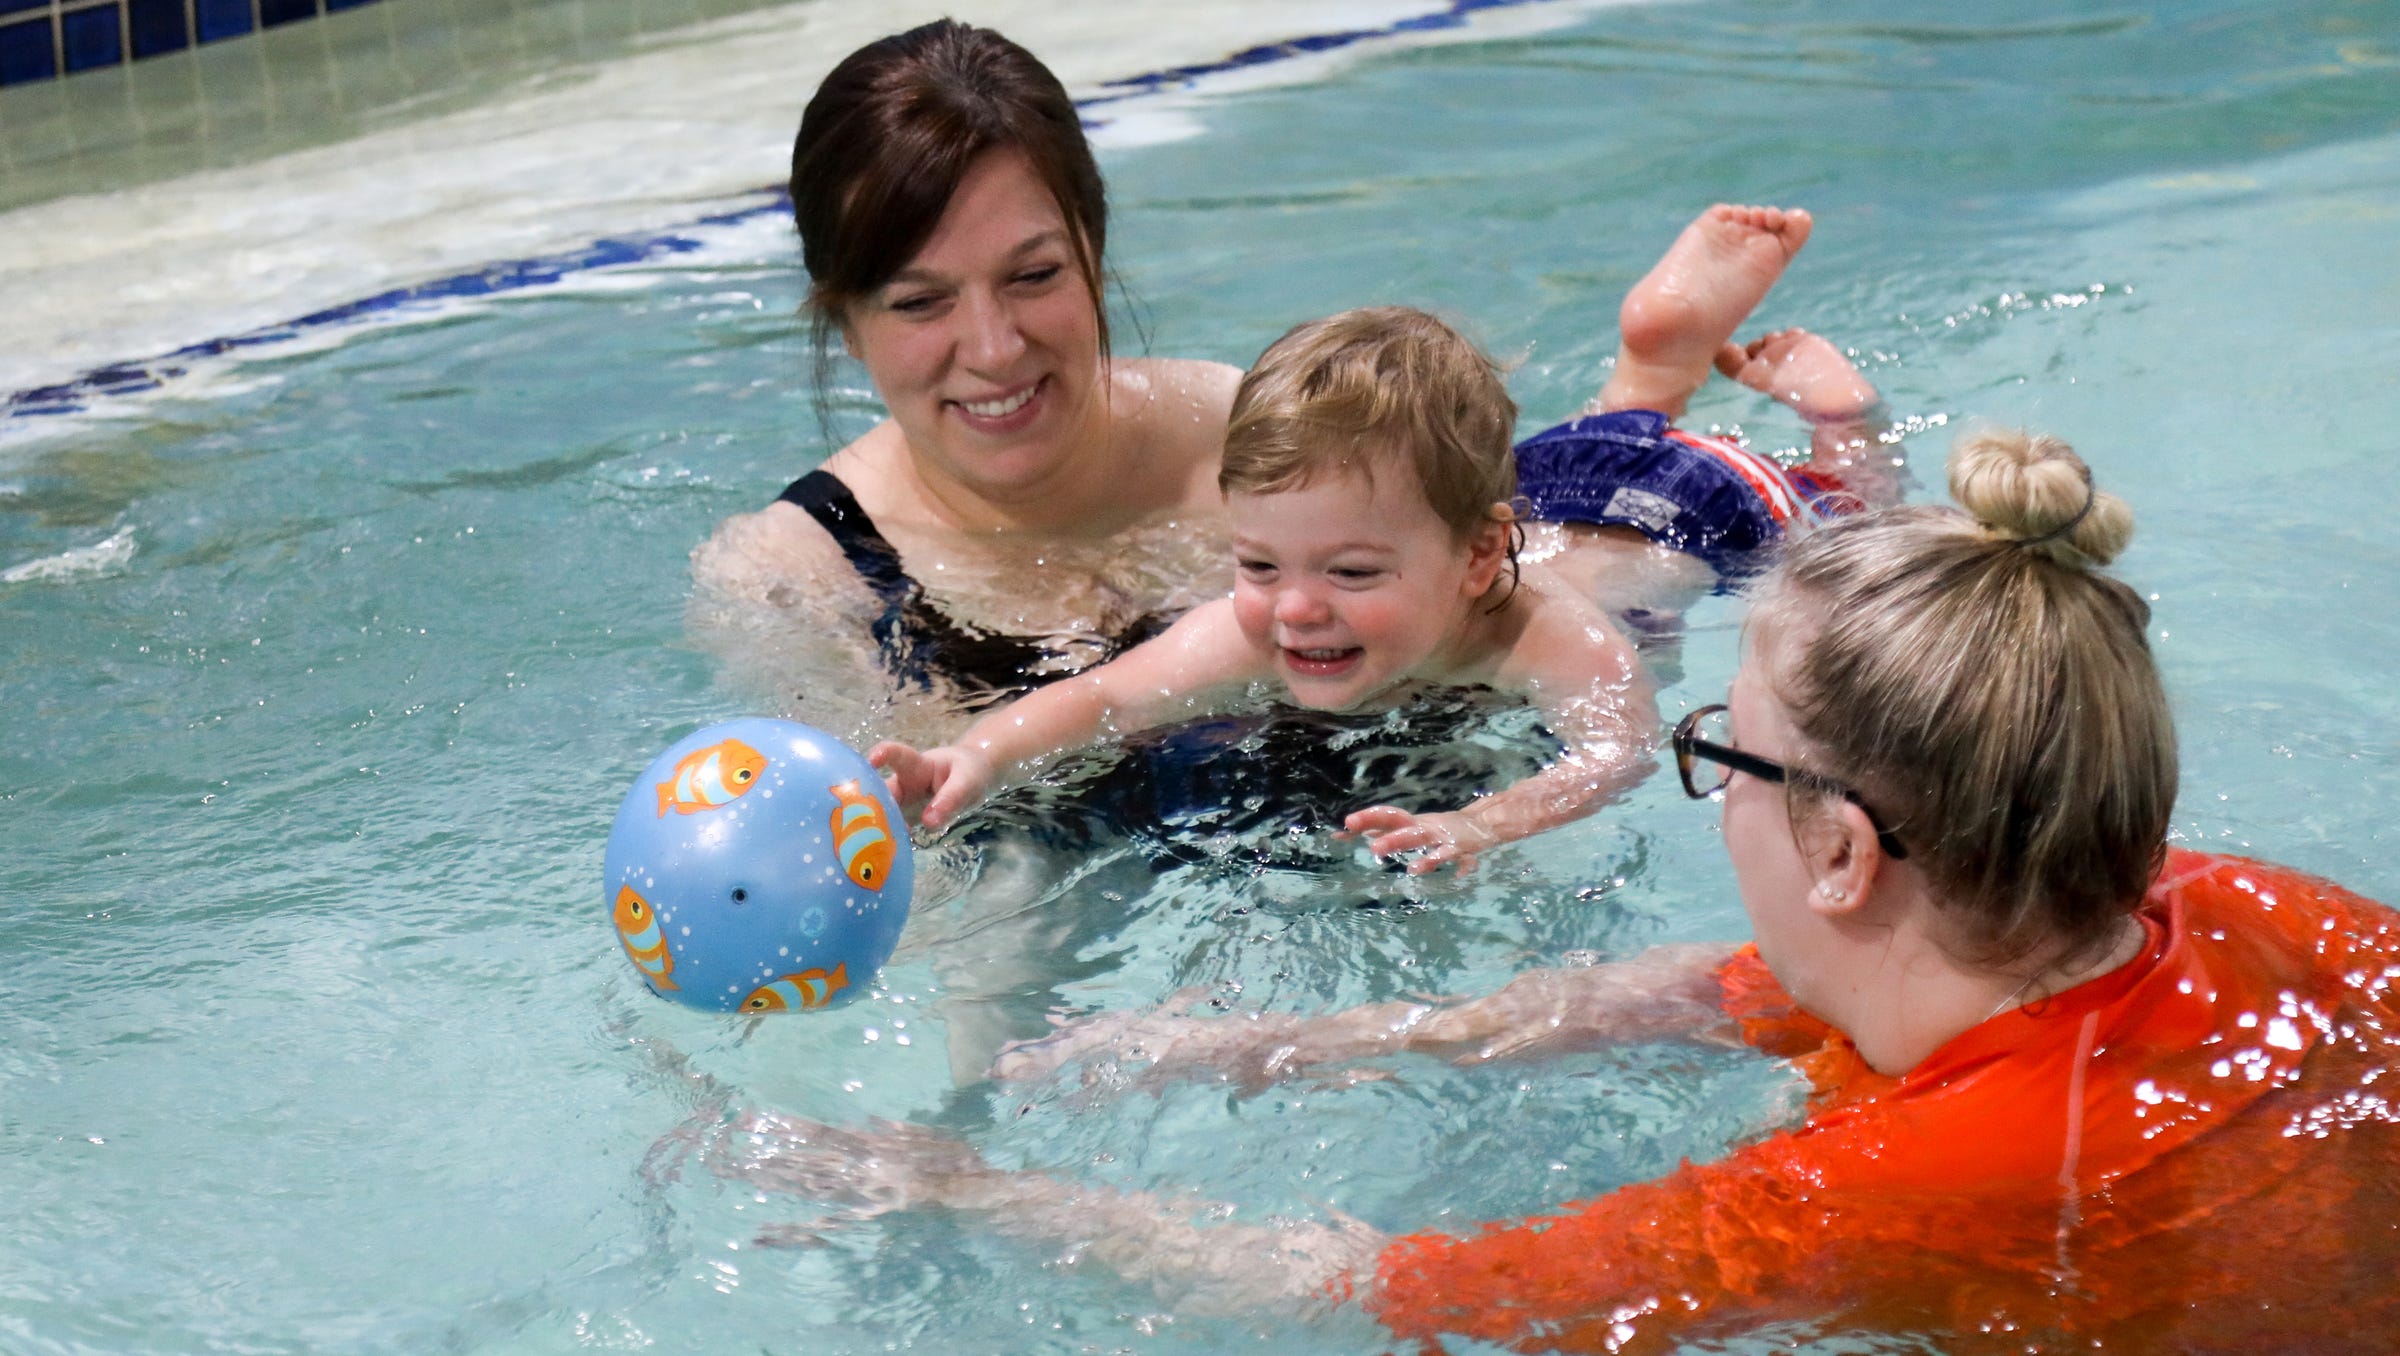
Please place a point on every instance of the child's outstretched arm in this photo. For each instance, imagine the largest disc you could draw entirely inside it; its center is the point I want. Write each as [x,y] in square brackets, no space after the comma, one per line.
[1202,653]
[1594,695]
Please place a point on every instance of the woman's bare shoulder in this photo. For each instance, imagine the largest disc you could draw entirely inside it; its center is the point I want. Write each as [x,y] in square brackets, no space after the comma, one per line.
[751,554]
[1182,406]
[1181,394]
[1198,381]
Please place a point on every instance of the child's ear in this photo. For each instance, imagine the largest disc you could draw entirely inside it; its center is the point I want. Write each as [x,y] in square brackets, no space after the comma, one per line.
[1487,549]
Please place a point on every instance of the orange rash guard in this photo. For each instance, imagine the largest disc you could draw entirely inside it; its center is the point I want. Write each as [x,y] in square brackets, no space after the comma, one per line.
[2199,1151]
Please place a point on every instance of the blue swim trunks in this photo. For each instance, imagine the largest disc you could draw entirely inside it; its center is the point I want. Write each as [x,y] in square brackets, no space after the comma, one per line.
[1706,496]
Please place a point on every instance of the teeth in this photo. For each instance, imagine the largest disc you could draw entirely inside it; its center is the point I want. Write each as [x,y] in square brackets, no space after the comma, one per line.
[1320,654]
[994,409]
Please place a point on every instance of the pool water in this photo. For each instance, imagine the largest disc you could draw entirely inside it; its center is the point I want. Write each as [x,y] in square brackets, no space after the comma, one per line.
[324,675]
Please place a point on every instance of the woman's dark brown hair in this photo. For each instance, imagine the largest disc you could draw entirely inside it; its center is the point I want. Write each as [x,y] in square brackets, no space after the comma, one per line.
[892,131]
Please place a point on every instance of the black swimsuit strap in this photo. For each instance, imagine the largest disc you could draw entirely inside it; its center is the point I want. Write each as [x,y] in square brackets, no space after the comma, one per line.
[918,639]
[830,502]
[919,642]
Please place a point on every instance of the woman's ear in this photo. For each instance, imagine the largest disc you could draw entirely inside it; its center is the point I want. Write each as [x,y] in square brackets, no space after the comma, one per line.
[1844,856]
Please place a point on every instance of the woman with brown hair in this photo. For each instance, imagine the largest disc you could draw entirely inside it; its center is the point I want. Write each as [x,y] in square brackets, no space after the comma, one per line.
[2068,1088]
[953,223]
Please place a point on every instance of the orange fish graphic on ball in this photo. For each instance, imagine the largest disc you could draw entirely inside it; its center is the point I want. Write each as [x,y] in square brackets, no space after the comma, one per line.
[645,942]
[710,777]
[862,837]
[808,989]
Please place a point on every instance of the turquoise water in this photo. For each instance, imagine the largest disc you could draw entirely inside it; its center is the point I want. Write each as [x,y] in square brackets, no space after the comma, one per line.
[313,1037]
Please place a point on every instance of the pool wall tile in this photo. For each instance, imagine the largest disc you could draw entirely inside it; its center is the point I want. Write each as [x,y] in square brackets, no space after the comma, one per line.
[93,37]
[224,19]
[158,26]
[43,39]
[28,51]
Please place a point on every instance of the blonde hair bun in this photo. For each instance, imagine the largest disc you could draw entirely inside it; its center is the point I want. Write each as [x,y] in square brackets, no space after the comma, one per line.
[2029,488]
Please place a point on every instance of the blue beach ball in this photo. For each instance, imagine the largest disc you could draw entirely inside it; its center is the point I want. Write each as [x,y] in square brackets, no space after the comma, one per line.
[758,866]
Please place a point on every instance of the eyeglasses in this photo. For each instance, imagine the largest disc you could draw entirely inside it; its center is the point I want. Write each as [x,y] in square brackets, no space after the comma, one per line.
[1691,747]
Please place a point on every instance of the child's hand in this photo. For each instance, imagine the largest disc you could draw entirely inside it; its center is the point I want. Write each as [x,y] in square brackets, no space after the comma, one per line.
[1438,839]
[934,785]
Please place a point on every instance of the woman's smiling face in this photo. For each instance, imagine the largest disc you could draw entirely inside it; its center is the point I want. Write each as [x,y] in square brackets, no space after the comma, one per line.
[986,346]
[1351,583]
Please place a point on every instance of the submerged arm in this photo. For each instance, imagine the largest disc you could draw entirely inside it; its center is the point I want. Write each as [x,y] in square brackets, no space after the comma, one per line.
[1665,993]
[1221,1266]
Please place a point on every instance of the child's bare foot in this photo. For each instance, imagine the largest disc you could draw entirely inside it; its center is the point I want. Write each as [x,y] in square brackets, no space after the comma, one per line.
[1803,371]
[1687,307]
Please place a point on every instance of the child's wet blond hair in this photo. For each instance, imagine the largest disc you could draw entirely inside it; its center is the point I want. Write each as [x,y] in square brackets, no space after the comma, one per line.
[1372,388]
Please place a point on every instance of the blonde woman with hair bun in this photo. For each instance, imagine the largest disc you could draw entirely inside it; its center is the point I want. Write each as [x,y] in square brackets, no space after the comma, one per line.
[2069,1088]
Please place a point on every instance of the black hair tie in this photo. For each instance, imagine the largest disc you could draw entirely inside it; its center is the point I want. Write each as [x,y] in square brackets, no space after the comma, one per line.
[2091,495]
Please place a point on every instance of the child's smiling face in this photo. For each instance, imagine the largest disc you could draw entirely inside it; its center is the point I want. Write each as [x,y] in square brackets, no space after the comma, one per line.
[1353,585]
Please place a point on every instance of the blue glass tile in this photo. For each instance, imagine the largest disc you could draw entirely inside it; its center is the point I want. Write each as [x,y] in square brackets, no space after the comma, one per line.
[273,12]
[158,26]
[26,53]
[223,18]
[95,37]
[12,6]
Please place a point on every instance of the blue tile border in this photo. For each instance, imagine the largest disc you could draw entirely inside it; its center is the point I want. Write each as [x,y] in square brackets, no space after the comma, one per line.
[223,19]
[28,51]
[158,27]
[511,276]
[85,35]
[92,38]
[516,275]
